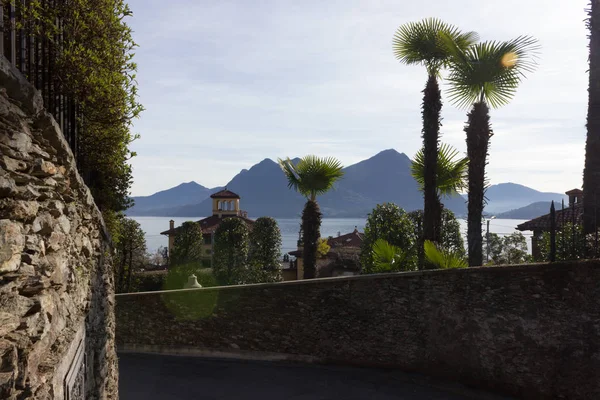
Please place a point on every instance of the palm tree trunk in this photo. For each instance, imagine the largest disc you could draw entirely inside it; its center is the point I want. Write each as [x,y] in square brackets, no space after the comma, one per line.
[591,172]
[478,132]
[432,106]
[311,232]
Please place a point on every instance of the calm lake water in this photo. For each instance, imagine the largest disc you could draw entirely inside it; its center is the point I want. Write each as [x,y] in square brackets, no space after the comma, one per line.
[152,226]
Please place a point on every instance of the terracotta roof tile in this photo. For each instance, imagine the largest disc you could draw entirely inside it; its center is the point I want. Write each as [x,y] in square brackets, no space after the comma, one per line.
[225,194]
[568,215]
[352,239]
[210,224]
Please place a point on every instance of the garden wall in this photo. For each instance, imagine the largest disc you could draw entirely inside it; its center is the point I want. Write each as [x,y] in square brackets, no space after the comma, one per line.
[56,288]
[531,331]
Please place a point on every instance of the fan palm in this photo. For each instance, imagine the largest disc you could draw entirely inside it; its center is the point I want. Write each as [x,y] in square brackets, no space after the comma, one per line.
[443,259]
[423,43]
[450,179]
[451,172]
[388,258]
[482,76]
[591,172]
[311,176]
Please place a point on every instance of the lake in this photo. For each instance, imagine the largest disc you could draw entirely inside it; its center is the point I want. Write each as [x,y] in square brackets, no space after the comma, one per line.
[289,227]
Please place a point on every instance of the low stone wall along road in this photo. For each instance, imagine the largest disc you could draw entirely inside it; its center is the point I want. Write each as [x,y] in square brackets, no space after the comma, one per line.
[149,376]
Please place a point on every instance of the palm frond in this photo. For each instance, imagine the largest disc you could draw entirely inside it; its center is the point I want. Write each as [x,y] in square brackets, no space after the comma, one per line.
[451,171]
[288,168]
[422,43]
[489,71]
[312,175]
[443,259]
[387,257]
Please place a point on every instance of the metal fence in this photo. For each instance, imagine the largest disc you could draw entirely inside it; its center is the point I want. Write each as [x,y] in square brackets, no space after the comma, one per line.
[36,57]
[567,238]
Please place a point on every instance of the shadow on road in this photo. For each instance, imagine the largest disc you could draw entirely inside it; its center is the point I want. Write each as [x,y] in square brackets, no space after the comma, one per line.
[147,377]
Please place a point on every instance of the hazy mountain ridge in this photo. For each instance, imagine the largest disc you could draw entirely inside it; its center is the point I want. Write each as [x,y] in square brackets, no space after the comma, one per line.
[384,177]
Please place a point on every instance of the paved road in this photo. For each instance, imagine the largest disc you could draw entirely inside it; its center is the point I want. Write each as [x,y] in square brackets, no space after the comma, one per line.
[147,377]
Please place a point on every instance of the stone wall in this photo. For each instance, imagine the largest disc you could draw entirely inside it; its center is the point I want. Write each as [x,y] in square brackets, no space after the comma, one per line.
[529,331]
[56,289]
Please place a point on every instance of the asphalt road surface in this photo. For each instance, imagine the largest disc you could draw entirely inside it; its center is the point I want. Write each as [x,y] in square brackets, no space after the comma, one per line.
[148,377]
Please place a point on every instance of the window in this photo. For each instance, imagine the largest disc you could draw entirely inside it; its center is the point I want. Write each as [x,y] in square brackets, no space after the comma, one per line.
[207,239]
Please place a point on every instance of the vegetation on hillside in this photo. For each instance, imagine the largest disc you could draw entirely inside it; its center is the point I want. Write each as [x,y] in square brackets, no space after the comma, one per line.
[93,64]
[130,255]
[508,249]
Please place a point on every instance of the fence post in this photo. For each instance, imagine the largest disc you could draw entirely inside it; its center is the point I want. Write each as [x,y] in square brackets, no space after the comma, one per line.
[2,29]
[13,34]
[552,233]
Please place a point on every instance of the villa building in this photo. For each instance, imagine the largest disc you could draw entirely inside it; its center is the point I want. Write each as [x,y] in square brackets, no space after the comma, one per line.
[225,204]
[572,214]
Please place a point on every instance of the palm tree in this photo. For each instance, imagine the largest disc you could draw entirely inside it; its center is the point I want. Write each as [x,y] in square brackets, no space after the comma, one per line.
[422,43]
[311,176]
[388,258]
[450,180]
[441,258]
[591,172]
[484,75]
[451,171]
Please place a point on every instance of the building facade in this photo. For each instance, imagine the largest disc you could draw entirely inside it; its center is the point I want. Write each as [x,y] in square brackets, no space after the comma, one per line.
[225,204]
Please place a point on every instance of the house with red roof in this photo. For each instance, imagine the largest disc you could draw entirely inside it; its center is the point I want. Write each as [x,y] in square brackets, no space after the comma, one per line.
[225,204]
[573,214]
[341,260]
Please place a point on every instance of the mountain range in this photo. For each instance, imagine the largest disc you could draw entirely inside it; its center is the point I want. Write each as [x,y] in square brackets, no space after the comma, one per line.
[384,177]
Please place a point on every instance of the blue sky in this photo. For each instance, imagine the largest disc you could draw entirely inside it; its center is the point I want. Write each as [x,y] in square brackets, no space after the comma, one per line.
[229,83]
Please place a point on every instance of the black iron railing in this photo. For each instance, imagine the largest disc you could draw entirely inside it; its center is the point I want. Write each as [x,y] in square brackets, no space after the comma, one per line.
[35,55]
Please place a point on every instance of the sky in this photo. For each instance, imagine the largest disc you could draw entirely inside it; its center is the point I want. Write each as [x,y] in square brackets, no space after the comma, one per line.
[228,83]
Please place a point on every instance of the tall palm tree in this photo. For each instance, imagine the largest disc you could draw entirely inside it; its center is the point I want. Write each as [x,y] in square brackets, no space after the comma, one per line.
[484,75]
[311,176]
[591,172]
[422,43]
[451,178]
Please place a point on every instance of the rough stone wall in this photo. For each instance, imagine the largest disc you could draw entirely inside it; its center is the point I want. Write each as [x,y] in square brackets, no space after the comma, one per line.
[56,284]
[528,331]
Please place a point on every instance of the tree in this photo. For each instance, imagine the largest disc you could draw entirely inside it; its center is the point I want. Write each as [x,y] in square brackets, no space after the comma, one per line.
[264,259]
[509,249]
[187,247]
[591,172]
[311,176]
[323,248]
[450,179]
[482,76]
[422,43]
[160,257]
[392,224]
[230,252]
[451,239]
[571,243]
[130,254]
